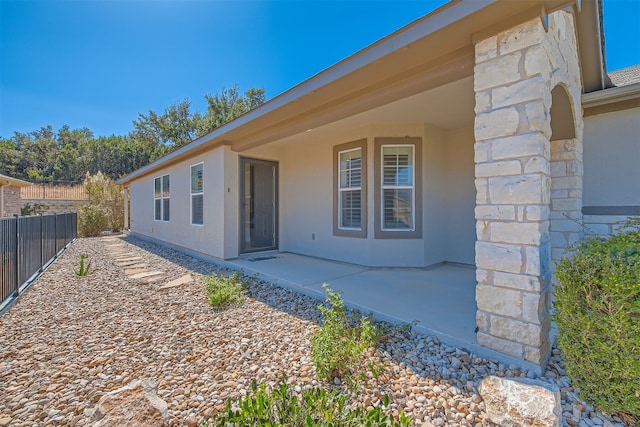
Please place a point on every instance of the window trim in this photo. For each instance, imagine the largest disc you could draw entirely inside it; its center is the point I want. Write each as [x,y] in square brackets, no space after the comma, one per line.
[162,198]
[360,144]
[198,193]
[416,232]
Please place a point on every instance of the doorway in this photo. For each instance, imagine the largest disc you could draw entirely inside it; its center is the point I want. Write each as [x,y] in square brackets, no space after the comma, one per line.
[258,205]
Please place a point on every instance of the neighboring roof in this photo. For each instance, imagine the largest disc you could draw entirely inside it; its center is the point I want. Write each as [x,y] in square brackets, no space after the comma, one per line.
[626,76]
[15,182]
[430,52]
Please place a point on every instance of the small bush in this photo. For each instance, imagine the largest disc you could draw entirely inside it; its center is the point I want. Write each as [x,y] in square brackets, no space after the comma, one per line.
[313,407]
[36,209]
[340,343]
[598,316]
[224,291]
[92,220]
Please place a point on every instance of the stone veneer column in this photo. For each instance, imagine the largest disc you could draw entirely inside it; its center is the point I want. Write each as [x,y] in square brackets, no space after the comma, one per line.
[514,74]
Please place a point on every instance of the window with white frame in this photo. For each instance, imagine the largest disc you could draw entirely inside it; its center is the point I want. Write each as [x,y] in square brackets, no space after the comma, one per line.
[161,198]
[350,189]
[197,194]
[398,188]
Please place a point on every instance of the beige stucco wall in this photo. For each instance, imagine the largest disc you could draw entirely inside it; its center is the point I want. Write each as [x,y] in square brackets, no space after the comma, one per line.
[305,199]
[612,159]
[208,238]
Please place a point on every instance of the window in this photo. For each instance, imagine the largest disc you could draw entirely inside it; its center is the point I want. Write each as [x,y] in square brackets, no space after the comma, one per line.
[349,213]
[197,195]
[398,197]
[161,198]
[398,190]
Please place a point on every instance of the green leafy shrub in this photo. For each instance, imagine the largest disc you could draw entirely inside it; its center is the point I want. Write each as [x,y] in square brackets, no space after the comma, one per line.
[92,220]
[107,195]
[36,209]
[280,406]
[224,291]
[598,316]
[337,348]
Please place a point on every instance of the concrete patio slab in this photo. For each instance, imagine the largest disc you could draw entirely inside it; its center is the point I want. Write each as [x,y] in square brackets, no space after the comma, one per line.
[438,300]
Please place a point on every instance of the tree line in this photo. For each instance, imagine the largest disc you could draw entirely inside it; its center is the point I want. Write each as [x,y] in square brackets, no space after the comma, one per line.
[68,154]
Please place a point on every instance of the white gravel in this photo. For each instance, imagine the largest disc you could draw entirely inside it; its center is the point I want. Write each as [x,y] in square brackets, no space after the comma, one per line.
[69,340]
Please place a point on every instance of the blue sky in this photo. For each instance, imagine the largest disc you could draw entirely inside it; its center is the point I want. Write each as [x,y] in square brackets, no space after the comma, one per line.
[99,63]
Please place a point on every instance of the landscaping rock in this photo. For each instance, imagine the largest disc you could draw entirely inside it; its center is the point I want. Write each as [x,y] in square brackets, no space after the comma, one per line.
[521,403]
[136,404]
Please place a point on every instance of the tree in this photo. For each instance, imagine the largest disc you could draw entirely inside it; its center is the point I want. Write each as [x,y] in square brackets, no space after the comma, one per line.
[228,105]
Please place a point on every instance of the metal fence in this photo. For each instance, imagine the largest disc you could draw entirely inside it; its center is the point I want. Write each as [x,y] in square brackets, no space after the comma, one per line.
[28,244]
[67,190]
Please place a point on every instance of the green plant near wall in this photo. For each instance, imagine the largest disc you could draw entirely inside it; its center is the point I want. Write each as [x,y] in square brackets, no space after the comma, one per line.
[84,268]
[338,347]
[597,310]
[313,407]
[225,291]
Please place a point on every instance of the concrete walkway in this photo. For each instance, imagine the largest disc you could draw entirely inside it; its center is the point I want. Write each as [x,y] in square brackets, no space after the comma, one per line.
[439,301]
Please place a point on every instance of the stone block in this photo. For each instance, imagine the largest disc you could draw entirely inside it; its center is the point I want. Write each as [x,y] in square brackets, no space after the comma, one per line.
[537,118]
[536,62]
[481,152]
[483,102]
[531,144]
[499,212]
[565,225]
[519,92]
[566,204]
[536,213]
[559,194]
[566,182]
[521,402]
[500,257]
[498,344]
[486,49]
[482,191]
[537,164]
[500,301]
[134,404]
[503,168]
[496,123]
[518,189]
[482,321]
[528,34]
[537,355]
[482,276]
[519,233]
[482,230]
[558,169]
[537,259]
[497,72]
[520,282]
[516,330]
[534,308]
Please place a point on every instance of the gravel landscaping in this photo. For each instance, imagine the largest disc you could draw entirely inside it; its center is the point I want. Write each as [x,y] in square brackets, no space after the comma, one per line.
[69,340]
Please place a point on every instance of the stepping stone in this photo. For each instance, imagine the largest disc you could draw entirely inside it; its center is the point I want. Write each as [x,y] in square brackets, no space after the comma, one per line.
[130,271]
[140,265]
[145,274]
[153,279]
[177,282]
[128,258]
[125,263]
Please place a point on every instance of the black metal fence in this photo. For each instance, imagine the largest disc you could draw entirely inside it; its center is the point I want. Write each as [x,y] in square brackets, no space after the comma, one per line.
[28,244]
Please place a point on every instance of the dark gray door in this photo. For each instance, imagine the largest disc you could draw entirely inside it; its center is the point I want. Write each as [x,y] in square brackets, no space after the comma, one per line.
[258,213]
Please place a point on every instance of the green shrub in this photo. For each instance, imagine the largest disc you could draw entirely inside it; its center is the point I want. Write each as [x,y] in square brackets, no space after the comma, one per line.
[337,348]
[313,407]
[84,268]
[598,316]
[107,195]
[224,291]
[36,209]
[92,220]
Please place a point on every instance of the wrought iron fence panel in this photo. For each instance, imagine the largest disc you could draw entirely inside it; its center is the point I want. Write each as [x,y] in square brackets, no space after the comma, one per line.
[27,245]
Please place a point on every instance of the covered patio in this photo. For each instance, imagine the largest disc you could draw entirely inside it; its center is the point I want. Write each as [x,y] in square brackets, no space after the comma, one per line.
[438,301]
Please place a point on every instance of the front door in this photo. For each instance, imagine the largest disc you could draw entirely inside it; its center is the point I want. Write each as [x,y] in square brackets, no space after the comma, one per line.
[258,209]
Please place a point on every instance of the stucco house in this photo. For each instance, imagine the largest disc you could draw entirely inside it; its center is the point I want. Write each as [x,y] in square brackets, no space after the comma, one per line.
[10,200]
[483,133]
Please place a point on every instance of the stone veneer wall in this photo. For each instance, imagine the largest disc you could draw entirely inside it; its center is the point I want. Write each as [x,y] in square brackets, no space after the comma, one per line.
[514,74]
[11,200]
[604,225]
